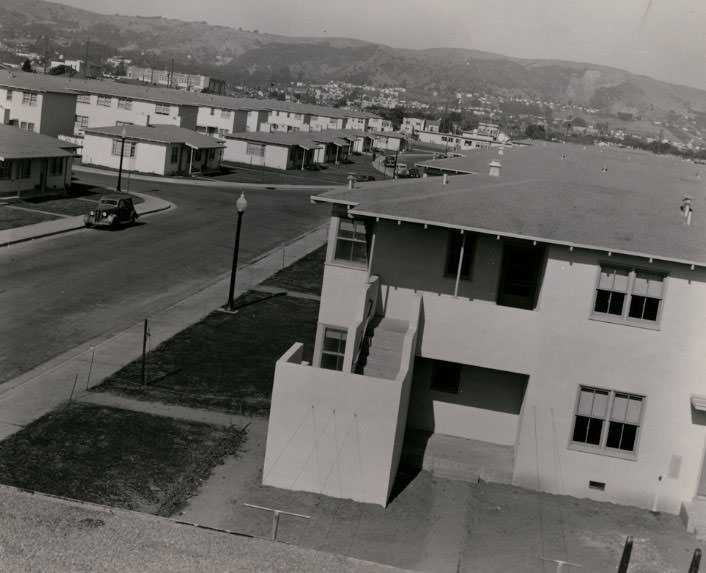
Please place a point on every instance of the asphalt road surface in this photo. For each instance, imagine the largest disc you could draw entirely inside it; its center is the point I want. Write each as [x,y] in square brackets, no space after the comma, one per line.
[59,292]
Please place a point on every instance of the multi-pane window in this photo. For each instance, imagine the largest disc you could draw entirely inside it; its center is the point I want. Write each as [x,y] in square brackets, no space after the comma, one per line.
[83,98]
[29,98]
[626,294]
[607,420]
[446,376]
[8,95]
[333,349]
[124,103]
[162,109]
[351,244]
[128,150]
[105,101]
[256,149]
[82,121]
[225,114]
[459,248]
[28,125]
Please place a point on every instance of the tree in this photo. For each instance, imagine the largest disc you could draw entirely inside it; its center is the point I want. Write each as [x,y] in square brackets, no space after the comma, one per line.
[535,131]
[27,66]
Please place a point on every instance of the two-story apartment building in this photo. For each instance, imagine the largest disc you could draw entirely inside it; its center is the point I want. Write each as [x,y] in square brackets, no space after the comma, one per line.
[36,102]
[32,164]
[546,316]
[107,103]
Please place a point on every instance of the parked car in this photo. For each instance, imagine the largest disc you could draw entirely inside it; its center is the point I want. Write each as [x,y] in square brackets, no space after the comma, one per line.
[359,177]
[112,211]
[411,172]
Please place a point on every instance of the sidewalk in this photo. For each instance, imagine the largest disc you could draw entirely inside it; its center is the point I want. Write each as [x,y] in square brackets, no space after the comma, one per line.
[34,393]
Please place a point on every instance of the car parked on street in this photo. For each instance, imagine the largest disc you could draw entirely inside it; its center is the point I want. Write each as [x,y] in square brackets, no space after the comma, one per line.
[362,177]
[112,211]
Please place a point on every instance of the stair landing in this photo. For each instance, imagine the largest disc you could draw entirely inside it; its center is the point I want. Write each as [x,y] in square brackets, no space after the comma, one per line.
[459,458]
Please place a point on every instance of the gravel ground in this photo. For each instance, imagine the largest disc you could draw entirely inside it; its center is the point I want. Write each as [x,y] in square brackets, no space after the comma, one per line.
[39,533]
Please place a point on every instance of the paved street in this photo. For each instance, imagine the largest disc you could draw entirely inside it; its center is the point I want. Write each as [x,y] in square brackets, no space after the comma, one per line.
[61,291]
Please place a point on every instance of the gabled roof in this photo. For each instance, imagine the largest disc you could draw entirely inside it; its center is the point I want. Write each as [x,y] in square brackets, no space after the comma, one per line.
[305,139]
[17,143]
[608,199]
[159,134]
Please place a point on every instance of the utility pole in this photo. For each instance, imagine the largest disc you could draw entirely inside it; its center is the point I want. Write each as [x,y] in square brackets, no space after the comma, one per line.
[171,72]
[46,52]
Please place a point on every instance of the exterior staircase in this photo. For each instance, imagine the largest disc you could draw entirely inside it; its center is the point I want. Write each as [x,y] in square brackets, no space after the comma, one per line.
[382,349]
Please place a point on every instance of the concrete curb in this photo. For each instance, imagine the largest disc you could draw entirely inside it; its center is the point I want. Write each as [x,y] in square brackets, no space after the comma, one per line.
[65,224]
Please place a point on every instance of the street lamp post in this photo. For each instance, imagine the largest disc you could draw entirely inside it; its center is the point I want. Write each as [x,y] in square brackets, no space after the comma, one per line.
[241,204]
[122,150]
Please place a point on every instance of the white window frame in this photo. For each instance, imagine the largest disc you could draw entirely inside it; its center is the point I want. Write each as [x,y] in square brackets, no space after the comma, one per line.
[350,238]
[124,103]
[128,151]
[636,282]
[338,354]
[255,149]
[162,108]
[29,98]
[83,98]
[82,121]
[609,413]
[104,101]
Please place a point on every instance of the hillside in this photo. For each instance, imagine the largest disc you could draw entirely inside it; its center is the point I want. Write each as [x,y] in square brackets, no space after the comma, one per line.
[251,57]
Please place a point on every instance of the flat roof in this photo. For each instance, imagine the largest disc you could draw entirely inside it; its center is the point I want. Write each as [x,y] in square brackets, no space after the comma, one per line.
[17,143]
[159,134]
[608,199]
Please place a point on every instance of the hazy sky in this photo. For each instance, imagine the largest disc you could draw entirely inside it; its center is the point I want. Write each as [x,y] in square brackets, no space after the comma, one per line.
[665,39]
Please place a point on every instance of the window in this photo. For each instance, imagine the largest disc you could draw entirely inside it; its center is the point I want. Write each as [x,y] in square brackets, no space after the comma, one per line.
[28,125]
[5,169]
[333,349]
[628,295]
[83,98]
[128,150]
[607,420]
[351,244]
[29,99]
[256,149]
[105,101]
[124,123]
[162,109]
[445,376]
[82,121]
[23,168]
[175,154]
[225,114]
[124,103]
[457,243]
[8,96]
[519,281]
[197,155]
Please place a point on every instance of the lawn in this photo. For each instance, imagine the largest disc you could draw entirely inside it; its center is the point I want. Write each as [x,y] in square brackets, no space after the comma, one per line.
[225,362]
[80,199]
[305,275]
[120,458]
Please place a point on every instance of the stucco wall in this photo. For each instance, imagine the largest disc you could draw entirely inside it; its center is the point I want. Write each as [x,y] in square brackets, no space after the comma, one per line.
[149,158]
[331,432]
[275,156]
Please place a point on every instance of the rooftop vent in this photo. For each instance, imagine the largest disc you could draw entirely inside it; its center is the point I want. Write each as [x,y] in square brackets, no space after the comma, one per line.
[494,168]
[501,151]
[446,179]
[686,209]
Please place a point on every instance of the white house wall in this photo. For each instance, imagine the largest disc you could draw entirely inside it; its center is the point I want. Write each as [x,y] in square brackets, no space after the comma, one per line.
[140,113]
[560,347]
[30,186]
[276,156]
[149,158]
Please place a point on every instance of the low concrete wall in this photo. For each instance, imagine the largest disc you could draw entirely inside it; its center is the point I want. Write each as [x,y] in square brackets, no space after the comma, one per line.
[332,432]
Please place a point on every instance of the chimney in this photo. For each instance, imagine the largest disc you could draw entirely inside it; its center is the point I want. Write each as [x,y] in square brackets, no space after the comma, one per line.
[494,168]
[686,209]
[446,178]
[351,181]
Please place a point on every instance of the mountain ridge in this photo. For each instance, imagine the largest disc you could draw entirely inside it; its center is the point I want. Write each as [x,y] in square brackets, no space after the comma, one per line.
[242,56]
